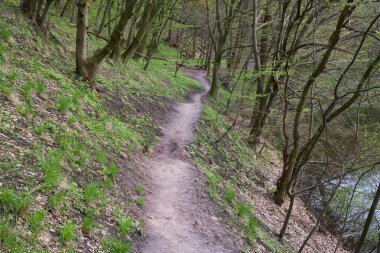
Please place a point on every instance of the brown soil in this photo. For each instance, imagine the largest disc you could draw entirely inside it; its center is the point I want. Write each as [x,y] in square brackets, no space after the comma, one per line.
[180,215]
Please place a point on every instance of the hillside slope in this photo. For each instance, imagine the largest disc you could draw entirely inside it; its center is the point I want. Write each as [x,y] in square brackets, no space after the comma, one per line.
[243,181]
[68,180]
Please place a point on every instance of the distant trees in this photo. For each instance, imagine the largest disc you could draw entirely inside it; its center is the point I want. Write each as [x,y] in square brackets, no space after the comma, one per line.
[37,10]
[223,27]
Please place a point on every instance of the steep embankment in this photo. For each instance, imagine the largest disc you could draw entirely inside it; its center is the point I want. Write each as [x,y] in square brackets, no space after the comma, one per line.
[68,178]
[243,183]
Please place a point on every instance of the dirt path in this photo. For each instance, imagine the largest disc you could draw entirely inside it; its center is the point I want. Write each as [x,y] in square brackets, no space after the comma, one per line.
[180,216]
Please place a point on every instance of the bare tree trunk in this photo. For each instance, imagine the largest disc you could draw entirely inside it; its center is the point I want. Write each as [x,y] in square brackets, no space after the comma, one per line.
[66,8]
[325,208]
[81,38]
[368,221]
[98,14]
[105,15]
[150,13]
[87,68]
[42,18]
[223,32]
[72,19]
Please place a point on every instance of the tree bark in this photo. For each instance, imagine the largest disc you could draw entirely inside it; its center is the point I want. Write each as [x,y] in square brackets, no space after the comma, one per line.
[150,12]
[368,221]
[105,15]
[66,8]
[42,18]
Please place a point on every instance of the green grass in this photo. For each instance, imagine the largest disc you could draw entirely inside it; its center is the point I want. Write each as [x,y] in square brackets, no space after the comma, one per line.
[51,166]
[111,171]
[213,181]
[126,225]
[13,202]
[140,201]
[67,232]
[139,189]
[35,221]
[115,245]
[89,222]
[226,167]
[92,193]
[63,103]
[77,135]
[230,195]
[5,87]
[9,237]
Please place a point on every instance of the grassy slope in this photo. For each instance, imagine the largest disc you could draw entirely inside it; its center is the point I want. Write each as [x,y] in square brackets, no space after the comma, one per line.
[67,178]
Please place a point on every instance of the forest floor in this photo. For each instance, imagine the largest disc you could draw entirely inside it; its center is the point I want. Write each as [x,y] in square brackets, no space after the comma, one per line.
[180,215]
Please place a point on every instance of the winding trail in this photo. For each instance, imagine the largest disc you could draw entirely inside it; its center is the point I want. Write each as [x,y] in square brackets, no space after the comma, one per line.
[180,216]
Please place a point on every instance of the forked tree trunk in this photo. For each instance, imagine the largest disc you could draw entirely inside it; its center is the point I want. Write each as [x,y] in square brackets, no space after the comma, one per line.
[42,18]
[150,12]
[87,67]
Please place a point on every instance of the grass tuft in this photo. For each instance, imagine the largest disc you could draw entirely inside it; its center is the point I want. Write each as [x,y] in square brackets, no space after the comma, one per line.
[126,225]
[92,193]
[140,201]
[35,221]
[12,202]
[67,232]
[51,166]
[115,245]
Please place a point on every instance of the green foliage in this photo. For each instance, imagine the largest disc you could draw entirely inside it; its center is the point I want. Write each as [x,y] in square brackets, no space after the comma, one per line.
[24,109]
[40,87]
[213,180]
[5,31]
[13,202]
[92,193]
[51,166]
[230,195]
[45,126]
[57,199]
[63,103]
[126,225]
[243,210]
[89,221]
[139,189]
[112,171]
[9,165]
[35,221]
[8,238]
[140,201]
[6,88]
[101,156]
[26,90]
[67,232]
[115,245]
